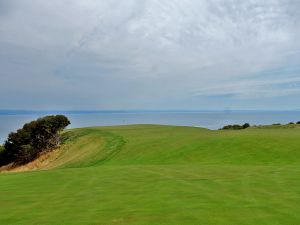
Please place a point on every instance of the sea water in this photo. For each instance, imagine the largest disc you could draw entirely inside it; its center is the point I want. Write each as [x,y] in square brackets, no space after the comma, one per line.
[12,120]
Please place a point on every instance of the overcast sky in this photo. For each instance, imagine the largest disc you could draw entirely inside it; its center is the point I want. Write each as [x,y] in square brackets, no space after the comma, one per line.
[150,54]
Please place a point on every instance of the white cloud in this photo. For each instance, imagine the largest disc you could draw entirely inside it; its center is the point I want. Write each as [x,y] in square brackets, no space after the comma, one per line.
[152,50]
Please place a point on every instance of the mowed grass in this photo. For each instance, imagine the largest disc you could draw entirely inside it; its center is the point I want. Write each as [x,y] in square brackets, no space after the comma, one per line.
[151,174]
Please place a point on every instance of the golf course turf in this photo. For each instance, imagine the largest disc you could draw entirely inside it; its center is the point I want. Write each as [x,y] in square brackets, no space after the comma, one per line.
[154,174]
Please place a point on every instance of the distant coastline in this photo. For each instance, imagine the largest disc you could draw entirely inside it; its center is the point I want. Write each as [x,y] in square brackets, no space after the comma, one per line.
[43,112]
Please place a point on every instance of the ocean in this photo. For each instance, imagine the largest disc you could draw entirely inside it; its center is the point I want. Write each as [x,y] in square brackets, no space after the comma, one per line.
[11,120]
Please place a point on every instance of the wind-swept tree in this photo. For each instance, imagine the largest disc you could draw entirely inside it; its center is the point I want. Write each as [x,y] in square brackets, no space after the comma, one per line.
[35,137]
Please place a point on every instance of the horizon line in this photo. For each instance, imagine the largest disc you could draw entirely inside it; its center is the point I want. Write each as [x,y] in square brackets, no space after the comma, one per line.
[91,111]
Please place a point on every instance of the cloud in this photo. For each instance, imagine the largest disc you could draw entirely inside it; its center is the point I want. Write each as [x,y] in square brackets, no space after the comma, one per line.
[146,54]
[254,88]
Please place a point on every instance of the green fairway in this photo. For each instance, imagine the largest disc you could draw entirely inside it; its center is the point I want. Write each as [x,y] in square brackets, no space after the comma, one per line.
[151,174]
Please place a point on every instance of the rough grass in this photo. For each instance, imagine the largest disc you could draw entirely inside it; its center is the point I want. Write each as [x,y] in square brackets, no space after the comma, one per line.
[150,174]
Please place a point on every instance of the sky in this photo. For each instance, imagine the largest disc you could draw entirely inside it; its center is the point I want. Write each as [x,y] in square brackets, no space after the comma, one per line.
[149,54]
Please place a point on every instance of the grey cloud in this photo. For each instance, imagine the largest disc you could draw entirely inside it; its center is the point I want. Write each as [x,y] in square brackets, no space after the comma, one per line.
[146,53]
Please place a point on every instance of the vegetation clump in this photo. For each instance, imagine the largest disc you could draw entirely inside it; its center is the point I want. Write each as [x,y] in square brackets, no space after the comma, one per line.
[35,137]
[236,127]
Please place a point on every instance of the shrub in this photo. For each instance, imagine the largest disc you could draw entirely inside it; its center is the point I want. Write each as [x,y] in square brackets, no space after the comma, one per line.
[298,122]
[36,136]
[246,125]
[236,127]
[1,155]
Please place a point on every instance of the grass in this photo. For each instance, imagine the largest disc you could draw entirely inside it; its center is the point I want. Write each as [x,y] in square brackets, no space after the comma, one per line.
[151,174]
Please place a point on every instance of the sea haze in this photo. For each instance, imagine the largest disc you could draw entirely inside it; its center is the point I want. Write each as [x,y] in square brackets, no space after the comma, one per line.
[11,120]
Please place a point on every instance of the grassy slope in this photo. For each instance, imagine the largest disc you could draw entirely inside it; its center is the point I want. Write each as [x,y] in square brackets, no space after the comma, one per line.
[150,174]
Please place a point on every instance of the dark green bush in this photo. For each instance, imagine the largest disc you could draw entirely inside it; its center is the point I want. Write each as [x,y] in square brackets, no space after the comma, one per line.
[246,125]
[236,127]
[37,136]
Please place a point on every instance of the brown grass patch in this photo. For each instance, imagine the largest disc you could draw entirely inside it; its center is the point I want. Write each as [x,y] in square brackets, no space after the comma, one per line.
[39,163]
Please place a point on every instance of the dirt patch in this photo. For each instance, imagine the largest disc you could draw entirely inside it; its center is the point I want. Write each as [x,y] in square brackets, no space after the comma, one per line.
[39,163]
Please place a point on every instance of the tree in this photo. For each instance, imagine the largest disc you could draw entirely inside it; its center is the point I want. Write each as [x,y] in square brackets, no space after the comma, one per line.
[35,137]
[45,135]
[246,125]
[236,127]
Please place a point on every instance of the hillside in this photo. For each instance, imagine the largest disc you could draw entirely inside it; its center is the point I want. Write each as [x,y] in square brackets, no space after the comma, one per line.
[152,174]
